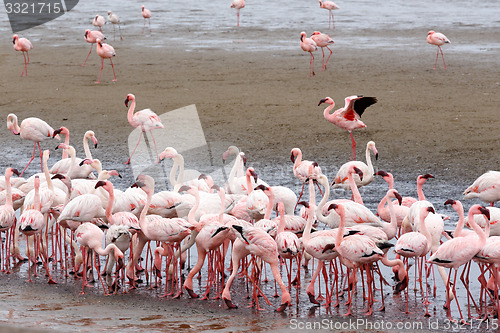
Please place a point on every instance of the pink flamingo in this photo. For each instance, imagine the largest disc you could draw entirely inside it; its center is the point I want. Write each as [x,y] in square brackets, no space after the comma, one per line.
[146,14]
[308,45]
[459,251]
[348,117]
[34,129]
[99,21]
[238,4]
[91,37]
[367,170]
[259,243]
[24,45]
[114,19]
[90,236]
[330,5]
[7,215]
[303,169]
[145,119]
[323,40]
[105,51]
[438,39]
[389,178]
[485,188]
[400,210]
[417,245]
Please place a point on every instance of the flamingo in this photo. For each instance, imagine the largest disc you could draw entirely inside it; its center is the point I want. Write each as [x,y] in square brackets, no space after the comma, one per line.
[114,19]
[121,237]
[323,40]
[145,119]
[330,5]
[389,178]
[485,188]
[340,179]
[90,236]
[438,39]
[23,45]
[7,214]
[146,14]
[99,21]
[459,251]
[91,37]
[348,117]
[34,129]
[417,245]
[304,169]
[308,45]
[238,4]
[105,51]
[178,159]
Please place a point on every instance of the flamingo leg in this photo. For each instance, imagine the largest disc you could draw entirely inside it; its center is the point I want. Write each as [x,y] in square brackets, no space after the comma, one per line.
[437,55]
[156,150]
[25,66]
[113,67]
[331,52]
[353,153]
[102,66]
[439,48]
[238,17]
[140,136]
[32,157]
[311,65]
[323,67]
[91,46]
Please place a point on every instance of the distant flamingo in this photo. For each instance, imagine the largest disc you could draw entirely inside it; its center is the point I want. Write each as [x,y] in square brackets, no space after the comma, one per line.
[114,19]
[91,37]
[348,117]
[34,129]
[105,51]
[323,40]
[238,4]
[459,251]
[308,45]
[24,45]
[99,21]
[146,14]
[485,188]
[438,39]
[90,236]
[145,120]
[330,5]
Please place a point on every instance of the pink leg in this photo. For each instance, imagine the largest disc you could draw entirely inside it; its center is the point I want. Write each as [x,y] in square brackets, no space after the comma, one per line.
[311,65]
[442,56]
[32,157]
[91,46]
[149,21]
[353,153]
[113,67]
[437,55]
[102,66]
[331,52]
[140,136]
[238,17]
[156,150]
[323,60]
[144,26]
[333,21]
[25,66]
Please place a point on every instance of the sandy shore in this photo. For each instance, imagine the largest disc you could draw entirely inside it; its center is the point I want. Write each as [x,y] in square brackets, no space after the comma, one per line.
[444,122]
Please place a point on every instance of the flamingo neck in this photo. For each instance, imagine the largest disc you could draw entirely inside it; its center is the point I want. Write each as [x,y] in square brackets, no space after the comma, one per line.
[391,181]
[381,205]
[354,189]
[340,232]
[480,232]
[36,199]
[424,231]
[326,112]
[48,180]
[104,252]
[249,183]
[391,229]
[66,142]
[13,124]
[111,200]
[461,220]
[326,195]
[192,211]
[270,204]
[71,153]
[86,148]
[142,217]
[222,197]
[130,113]
[234,170]
[369,161]
[298,160]
[420,190]
[281,225]
[178,164]
[8,190]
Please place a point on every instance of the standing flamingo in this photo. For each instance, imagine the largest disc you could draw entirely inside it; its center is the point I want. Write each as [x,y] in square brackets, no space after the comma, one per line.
[114,19]
[459,251]
[366,169]
[238,4]
[99,21]
[323,40]
[486,188]
[438,39]
[330,5]
[145,119]
[308,45]
[7,215]
[24,45]
[34,129]
[105,51]
[348,117]
[304,169]
[146,14]
[91,37]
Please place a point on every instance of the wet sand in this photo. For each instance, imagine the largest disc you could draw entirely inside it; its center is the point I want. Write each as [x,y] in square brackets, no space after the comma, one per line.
[443,122]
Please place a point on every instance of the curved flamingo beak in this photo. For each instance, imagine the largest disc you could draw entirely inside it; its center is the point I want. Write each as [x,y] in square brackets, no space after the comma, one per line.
[94,140]
[126,101]
[322,101]
[399,197]
[485,212]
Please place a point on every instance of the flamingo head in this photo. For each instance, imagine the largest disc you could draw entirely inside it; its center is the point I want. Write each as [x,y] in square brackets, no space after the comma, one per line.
[14,39]
[261,187]
[108,186]
[381,173]
[13,171]
[395,194]
[130,97]
[87,33]
[485,212]
[357,171]
[450,202]
[431,32]
[423,178]
[98,41]
[302,36]
[295,152]
[142,7]
[430,209]
[252,173]
[326,100]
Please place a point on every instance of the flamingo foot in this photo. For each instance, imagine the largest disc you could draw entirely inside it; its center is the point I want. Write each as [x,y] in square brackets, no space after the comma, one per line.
[283,307]
[191,292]
[230,304]
[312,299]
[51,281]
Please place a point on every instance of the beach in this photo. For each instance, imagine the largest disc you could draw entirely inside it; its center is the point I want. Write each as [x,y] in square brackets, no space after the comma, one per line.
[442,122]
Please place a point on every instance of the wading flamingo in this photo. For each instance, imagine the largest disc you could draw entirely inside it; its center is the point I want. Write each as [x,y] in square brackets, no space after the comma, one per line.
[23,45]
[323,40]
[366,168]
[91,37]
[438,39]
[114,19]
[308,45]
[485,188]
[34,129]
[238,4]
[146,14]
[304,169]
[330,5]
[105,51]
[348,117]
[99,21]
[145,120]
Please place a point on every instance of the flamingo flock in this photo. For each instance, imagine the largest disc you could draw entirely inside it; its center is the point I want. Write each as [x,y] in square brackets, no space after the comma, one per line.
[233,228]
